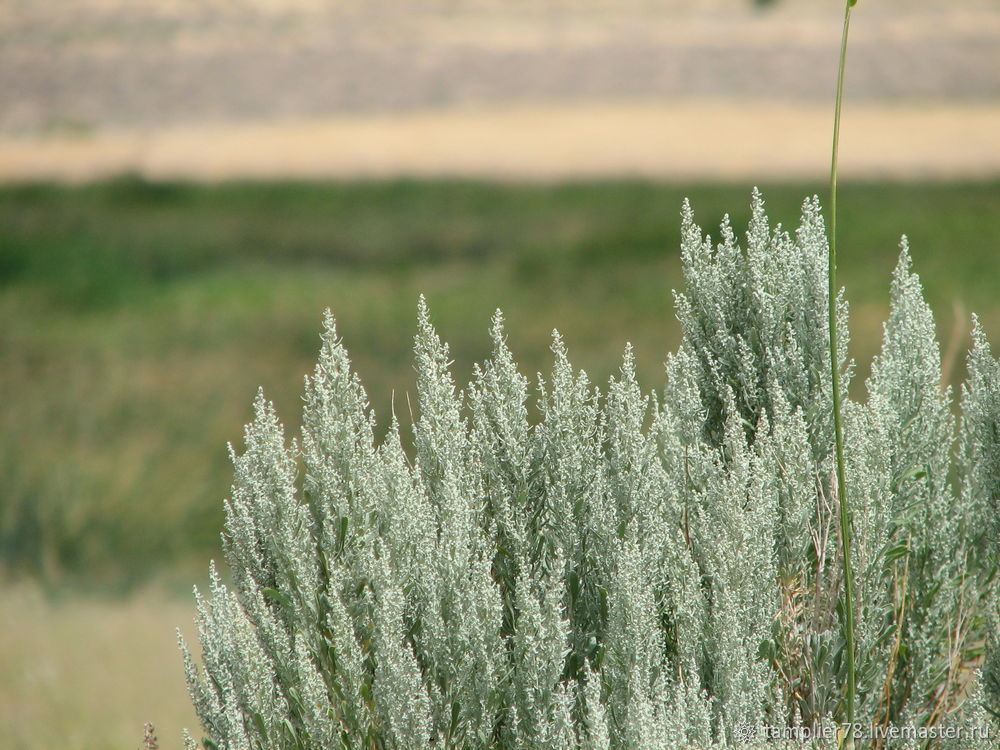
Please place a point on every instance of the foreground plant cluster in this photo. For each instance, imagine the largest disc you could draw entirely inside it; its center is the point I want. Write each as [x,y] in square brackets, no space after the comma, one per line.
[563,567]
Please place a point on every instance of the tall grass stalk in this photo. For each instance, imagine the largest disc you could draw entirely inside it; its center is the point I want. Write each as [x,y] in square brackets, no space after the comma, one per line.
[845,510]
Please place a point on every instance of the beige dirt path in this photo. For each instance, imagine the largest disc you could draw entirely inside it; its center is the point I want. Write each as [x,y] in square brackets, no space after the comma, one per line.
[681,140]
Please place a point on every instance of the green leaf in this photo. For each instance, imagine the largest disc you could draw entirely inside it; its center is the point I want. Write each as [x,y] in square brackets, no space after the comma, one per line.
[342,534]
[258,722]
[292,734]
[974,652]
[573,665]
[599,658]
[277,596]
[884,637]
[917,472]
[896,552]
[622,528]
[456,708]
[574,585]
[766,650]
[603,593]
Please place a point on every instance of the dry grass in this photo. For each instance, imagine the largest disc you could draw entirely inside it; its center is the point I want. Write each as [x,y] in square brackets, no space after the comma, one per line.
[86,672]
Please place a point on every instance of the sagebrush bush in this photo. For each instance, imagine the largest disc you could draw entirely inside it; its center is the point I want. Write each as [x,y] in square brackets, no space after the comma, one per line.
[561,567]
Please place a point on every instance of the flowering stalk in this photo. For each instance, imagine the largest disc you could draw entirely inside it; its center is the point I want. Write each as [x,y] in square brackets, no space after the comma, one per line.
[845,511]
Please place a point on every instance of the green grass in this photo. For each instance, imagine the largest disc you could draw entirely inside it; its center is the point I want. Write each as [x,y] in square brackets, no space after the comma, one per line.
[139,319]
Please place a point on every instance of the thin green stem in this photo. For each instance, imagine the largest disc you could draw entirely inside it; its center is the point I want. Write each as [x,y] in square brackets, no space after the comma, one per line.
[845,510]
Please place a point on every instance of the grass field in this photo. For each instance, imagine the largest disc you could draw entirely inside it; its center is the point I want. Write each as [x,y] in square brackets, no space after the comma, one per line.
[85,672]
[139,319]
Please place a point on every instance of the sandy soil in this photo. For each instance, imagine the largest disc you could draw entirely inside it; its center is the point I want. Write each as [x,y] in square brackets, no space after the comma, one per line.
[219,88]
[683,140]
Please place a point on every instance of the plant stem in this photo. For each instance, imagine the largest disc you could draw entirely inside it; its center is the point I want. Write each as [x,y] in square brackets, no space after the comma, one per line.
[845,511]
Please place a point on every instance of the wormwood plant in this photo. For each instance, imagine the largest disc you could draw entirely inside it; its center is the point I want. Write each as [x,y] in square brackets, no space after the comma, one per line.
[629,570]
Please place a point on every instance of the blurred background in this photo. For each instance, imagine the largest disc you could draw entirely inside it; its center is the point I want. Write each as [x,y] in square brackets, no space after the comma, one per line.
[186,185]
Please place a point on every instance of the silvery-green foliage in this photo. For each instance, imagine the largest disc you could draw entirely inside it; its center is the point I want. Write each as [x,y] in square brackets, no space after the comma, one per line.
[918,436]
[755,321]
[562,566]
[980,459]
[980,440]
